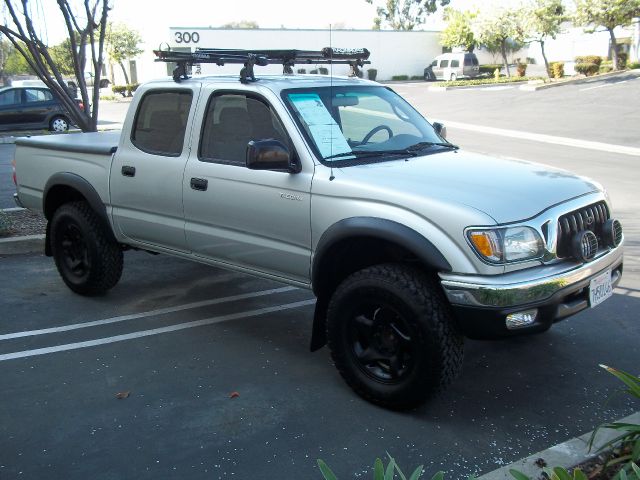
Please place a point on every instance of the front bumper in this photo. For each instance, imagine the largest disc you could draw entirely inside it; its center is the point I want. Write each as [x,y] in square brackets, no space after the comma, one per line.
[482,303]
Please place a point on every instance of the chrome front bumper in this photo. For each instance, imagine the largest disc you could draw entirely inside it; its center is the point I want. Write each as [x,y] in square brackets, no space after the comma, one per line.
[533,285]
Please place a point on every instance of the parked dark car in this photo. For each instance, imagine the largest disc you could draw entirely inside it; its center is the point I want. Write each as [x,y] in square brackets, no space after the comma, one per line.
[32,108]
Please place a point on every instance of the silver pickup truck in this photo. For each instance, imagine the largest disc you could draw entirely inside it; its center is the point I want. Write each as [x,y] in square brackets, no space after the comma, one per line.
[339,186]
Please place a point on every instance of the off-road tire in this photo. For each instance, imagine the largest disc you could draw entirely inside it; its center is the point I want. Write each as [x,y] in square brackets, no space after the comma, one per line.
[431,346]
[88,260]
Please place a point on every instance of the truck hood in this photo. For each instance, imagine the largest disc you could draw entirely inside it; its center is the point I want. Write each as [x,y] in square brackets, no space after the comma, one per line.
[507,190]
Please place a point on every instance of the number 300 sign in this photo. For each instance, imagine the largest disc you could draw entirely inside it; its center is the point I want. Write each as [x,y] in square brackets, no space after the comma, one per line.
[187,37]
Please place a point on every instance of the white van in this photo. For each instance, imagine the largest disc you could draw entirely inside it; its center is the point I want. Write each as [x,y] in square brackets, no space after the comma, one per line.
[452,66]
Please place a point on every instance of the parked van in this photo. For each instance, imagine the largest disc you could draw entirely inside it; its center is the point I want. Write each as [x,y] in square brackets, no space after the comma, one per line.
[452,66]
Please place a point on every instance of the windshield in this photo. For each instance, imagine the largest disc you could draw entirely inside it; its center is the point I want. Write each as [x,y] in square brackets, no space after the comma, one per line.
[359,124]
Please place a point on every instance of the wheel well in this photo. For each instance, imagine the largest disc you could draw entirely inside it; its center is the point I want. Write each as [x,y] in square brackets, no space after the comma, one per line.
[355,253]
[59,195]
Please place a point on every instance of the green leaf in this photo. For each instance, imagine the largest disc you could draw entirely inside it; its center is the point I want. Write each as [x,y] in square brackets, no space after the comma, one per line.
[636,469]
[417,473]
[437,476]
[389,473]
[622,475]
[518,475]
[635,453]
[561,473]
[578,475]
[326,471]
[378,470]
[629,380]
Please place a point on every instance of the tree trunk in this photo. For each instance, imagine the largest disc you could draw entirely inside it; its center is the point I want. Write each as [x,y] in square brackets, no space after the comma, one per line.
[614,49]
[503,49]
[544,57]
[124,71]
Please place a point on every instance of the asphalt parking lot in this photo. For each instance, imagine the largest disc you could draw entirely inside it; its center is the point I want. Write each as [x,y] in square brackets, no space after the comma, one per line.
[183,339]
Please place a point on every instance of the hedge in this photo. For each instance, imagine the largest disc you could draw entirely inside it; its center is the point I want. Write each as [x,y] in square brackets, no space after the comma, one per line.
[486,81]
[588,69]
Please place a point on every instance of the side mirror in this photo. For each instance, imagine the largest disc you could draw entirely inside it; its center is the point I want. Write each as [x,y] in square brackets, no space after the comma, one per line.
[270,154]
[440,129]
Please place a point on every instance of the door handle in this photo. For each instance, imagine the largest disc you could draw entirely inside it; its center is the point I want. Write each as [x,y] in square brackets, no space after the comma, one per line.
[200,184]
[128,171]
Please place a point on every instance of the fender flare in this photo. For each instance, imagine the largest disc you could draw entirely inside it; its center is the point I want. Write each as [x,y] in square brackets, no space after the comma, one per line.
[383,229]
[86,190]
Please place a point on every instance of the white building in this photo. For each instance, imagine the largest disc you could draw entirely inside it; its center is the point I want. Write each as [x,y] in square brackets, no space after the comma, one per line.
[392,52]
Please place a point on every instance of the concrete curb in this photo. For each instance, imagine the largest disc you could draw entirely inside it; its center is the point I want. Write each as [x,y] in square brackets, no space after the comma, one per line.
[567,454]
[21,245]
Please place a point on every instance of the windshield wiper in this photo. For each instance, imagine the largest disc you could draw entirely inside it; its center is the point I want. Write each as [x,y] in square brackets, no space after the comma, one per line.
[371,153]
[420,145]
[411,151]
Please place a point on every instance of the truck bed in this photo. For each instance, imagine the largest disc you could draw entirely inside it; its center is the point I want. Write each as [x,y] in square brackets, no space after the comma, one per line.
[87,155]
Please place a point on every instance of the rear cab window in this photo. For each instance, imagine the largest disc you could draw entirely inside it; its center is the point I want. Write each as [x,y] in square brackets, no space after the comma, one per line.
[161,120]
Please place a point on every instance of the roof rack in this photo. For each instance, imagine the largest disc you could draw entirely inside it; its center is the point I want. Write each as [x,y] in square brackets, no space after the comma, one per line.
[355,57]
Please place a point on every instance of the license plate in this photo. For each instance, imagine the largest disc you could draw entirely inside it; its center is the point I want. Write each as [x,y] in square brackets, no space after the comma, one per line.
[600,289]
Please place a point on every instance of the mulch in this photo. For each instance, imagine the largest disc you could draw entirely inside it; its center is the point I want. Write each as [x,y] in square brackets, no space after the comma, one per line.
[18,223]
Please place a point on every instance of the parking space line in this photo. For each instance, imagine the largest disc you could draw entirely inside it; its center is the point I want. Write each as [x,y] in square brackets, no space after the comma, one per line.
[597,86]
[155,331]
[539,137]
[150,313]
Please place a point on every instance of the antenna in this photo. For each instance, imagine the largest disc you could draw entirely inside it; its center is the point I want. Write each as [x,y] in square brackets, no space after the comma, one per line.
[331,176]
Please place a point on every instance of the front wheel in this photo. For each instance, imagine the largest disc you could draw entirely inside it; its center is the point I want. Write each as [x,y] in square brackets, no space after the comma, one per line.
[59,124]
[88,260]
[392,336]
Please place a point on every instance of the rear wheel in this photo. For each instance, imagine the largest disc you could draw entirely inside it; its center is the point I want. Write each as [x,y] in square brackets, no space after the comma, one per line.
[88,261]
[59,124]
[392,336]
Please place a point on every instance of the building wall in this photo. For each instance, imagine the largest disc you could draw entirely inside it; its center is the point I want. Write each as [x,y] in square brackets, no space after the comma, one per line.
[392,52]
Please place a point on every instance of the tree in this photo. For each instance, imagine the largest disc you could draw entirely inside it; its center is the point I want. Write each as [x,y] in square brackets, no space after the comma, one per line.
[458,32]
[544,19]
[63,57]
[122,44]
[498,29]
[405,14]
[86,29]
[250,24]
[608,14]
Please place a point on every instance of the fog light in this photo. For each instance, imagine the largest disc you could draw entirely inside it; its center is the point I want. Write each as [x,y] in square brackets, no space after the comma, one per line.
[612,232]
[521,319]
[585,245]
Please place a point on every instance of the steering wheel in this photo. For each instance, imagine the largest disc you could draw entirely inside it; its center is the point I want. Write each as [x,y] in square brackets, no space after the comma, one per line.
[375,130]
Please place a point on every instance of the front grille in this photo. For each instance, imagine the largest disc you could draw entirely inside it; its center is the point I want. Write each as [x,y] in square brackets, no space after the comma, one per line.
[590,218]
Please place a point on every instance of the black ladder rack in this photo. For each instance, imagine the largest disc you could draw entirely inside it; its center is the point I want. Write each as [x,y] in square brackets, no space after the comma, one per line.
[355,57]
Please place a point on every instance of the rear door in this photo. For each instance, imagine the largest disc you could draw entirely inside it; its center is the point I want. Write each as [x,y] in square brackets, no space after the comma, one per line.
[258,220]
[148,168]
[11,111]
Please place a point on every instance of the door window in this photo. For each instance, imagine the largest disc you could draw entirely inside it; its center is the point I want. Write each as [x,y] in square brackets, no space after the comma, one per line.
[11,97]
[232,120]
[161,122]
[32,95]
[444,63]
[455,63]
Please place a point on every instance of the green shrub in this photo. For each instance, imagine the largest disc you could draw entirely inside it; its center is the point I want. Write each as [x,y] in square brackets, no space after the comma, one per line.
[400,77]
[485,81]
[557,69]
[622,59]
[121,89]
[489,68]
[372,73]
[313,72]
[380,472]
[132,87]
[323,71]
[588,69]
[521,69]
[633,65]
[417,77]
[605,69]
[589,59]
[302,70]
[628,440]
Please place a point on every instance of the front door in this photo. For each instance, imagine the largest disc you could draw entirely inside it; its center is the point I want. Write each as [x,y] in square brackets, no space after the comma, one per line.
[257,220]
[147,171]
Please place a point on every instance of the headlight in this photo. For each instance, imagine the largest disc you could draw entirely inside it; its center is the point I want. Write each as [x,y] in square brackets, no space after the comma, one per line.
[505,245]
